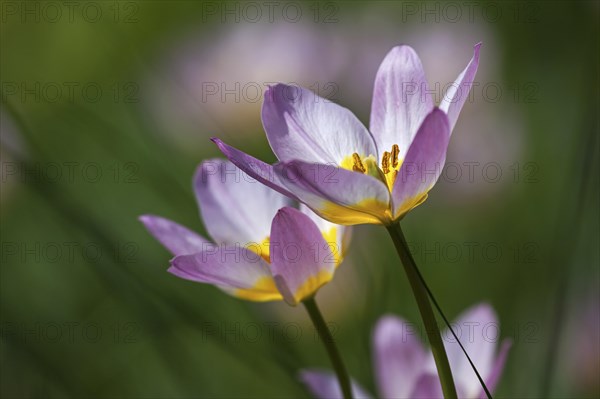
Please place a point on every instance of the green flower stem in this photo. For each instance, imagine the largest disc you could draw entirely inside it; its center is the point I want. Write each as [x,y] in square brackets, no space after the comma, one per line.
[332,351]
[431,326]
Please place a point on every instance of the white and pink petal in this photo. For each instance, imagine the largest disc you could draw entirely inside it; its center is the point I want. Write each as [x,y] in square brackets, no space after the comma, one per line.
[338,195]
[398,357]
[236,208]
[300,125]
[179,240]
[492,379]
[301,260]
[477,329]
[336,235]
[423,163]
[323,384]
[237,270]
[458,93]
[401,100]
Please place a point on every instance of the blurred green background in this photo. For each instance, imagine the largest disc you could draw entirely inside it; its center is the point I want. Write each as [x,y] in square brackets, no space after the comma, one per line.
[107,108]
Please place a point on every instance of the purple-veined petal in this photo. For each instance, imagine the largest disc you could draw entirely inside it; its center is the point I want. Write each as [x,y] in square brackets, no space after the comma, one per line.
[398,357]
[458,93]
[423,163]
[337,236]
[301,260]
[324,385]
[179,240]
[427,387]
[261,171]
[338,195]
[357,198]
[235,207]
[401,100]
[498,367]
[301,125]
[235,269]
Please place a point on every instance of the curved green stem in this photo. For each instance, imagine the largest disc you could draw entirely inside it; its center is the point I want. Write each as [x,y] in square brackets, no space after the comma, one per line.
[332,351]
[431,326]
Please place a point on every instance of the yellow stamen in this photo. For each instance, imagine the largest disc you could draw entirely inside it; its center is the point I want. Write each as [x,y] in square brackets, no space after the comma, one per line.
[385,162]
[387,172]
[362,164]
[390,164]
[395,152]
[370,210]
[357,165]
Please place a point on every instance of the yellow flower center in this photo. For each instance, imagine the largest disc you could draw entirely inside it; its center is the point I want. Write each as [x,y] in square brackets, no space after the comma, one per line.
[261,249]
[386,172]
[265,289]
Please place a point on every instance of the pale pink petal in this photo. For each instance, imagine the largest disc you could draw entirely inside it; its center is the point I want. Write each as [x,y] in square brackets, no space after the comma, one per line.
[401,100]
[235,207]
[423,163]
[179,240]
[324,385]
[301,260]
[458,93]
[398,357]
[300,125]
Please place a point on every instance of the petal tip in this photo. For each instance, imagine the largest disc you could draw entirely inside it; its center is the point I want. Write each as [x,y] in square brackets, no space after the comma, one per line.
[220,144]
[481,311]
[387,318]
[402,54]
[402,48]
[149,220]
[172,263]
[485,307]
[272,90]
[268,96]
[172,269]
[388,328]
[146,220]
[287,211]
[176,265]
[506,344]
[476,49]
